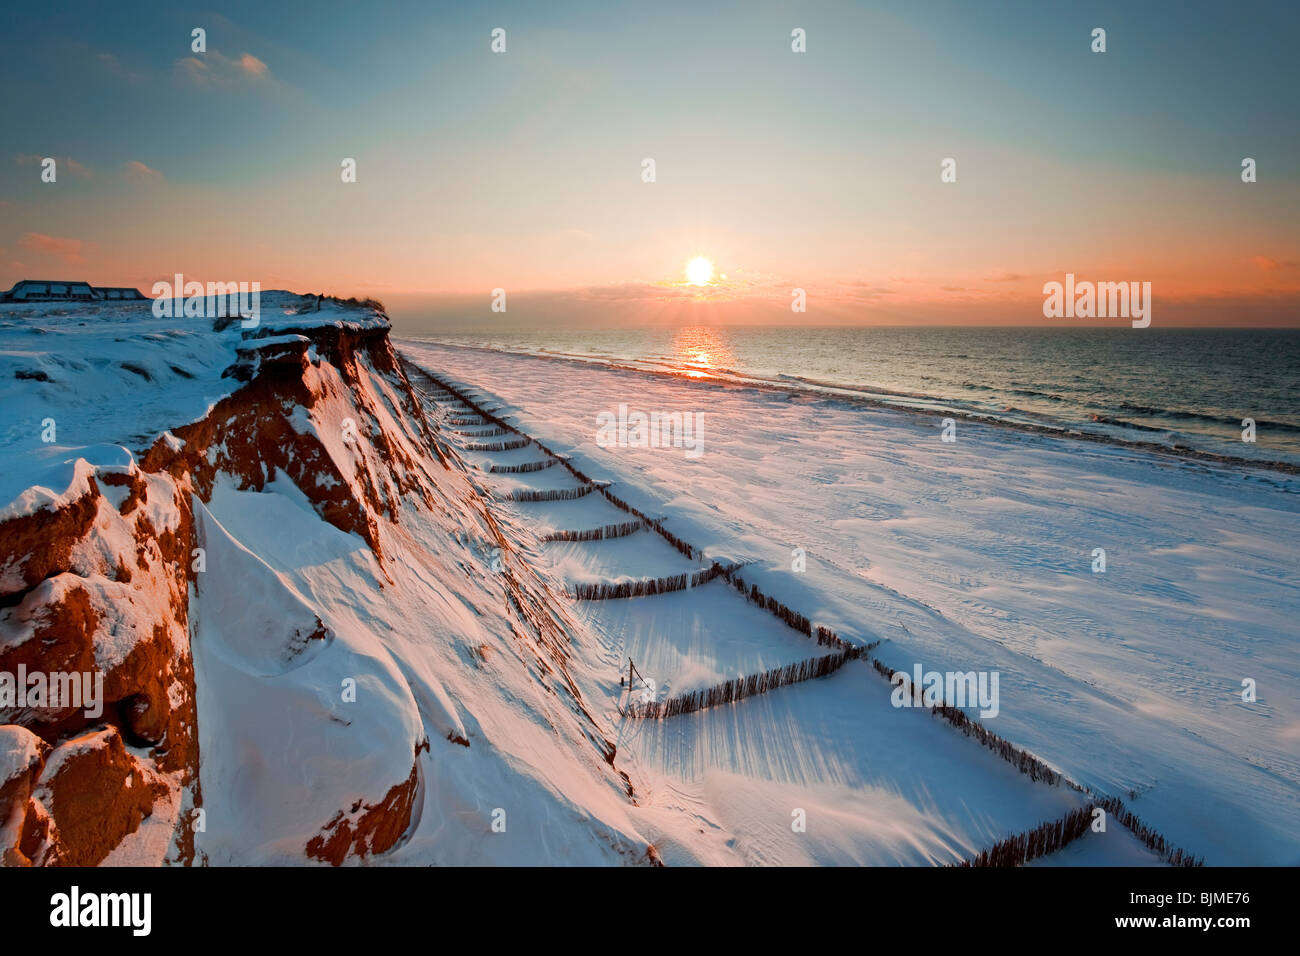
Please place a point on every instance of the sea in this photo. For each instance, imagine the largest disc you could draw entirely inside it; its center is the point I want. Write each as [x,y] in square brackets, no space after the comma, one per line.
[1192,388]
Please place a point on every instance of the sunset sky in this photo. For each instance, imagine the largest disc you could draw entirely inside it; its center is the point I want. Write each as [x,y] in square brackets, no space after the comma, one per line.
[522,170]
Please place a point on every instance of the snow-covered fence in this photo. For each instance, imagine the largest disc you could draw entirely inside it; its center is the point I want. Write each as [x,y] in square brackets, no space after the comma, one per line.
[655,524]
[524,468]
[1054,835]
[607,591]
[823,635]
[1153,840]
[549,494]
[1035,769]
[738,688]
[509,444]
[620,530]
[1043,839]
[1022,760]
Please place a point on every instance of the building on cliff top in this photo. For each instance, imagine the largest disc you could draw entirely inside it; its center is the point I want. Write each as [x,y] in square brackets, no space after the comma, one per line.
[44,290]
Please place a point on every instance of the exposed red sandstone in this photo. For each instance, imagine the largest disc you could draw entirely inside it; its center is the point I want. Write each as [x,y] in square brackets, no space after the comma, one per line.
[22,757]
[367,829]
[39,545]
[96,793]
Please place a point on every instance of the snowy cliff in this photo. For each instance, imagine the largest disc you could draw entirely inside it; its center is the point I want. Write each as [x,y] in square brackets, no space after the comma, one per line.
[315,642]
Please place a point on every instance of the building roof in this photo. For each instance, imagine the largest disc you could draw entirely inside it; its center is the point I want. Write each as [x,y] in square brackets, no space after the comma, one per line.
[61,290]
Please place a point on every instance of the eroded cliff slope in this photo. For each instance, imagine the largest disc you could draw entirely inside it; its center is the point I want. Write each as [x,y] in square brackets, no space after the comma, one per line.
[314,642]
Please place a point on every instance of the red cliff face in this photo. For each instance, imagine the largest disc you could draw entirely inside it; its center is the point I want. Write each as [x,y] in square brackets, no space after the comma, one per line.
[90,587]
[256,431]
[110,580]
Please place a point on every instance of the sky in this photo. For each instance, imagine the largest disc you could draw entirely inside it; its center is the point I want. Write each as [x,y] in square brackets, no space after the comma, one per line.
[523,170]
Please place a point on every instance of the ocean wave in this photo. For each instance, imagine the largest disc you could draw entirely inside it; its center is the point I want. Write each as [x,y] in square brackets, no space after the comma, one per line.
[1184,415]
[1109,420]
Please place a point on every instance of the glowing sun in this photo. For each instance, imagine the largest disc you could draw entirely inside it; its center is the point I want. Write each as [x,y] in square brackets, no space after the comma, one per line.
[699,271]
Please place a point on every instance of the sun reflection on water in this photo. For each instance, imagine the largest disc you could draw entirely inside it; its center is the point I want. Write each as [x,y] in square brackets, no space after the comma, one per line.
[701,349]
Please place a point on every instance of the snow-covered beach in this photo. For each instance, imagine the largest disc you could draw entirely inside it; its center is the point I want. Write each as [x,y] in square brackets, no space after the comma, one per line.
[979,555]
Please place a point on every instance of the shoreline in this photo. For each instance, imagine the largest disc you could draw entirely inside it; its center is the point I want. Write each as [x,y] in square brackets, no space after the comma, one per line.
[1177,452]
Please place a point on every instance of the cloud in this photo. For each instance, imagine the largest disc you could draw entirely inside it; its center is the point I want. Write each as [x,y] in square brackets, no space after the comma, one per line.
[1005,277]
[216,69]
[137,171]
[69,250]
[62,163]
[253,66]
[1269,264]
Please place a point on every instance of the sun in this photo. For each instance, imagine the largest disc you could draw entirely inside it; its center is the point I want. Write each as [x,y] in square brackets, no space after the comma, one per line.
[699,271]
